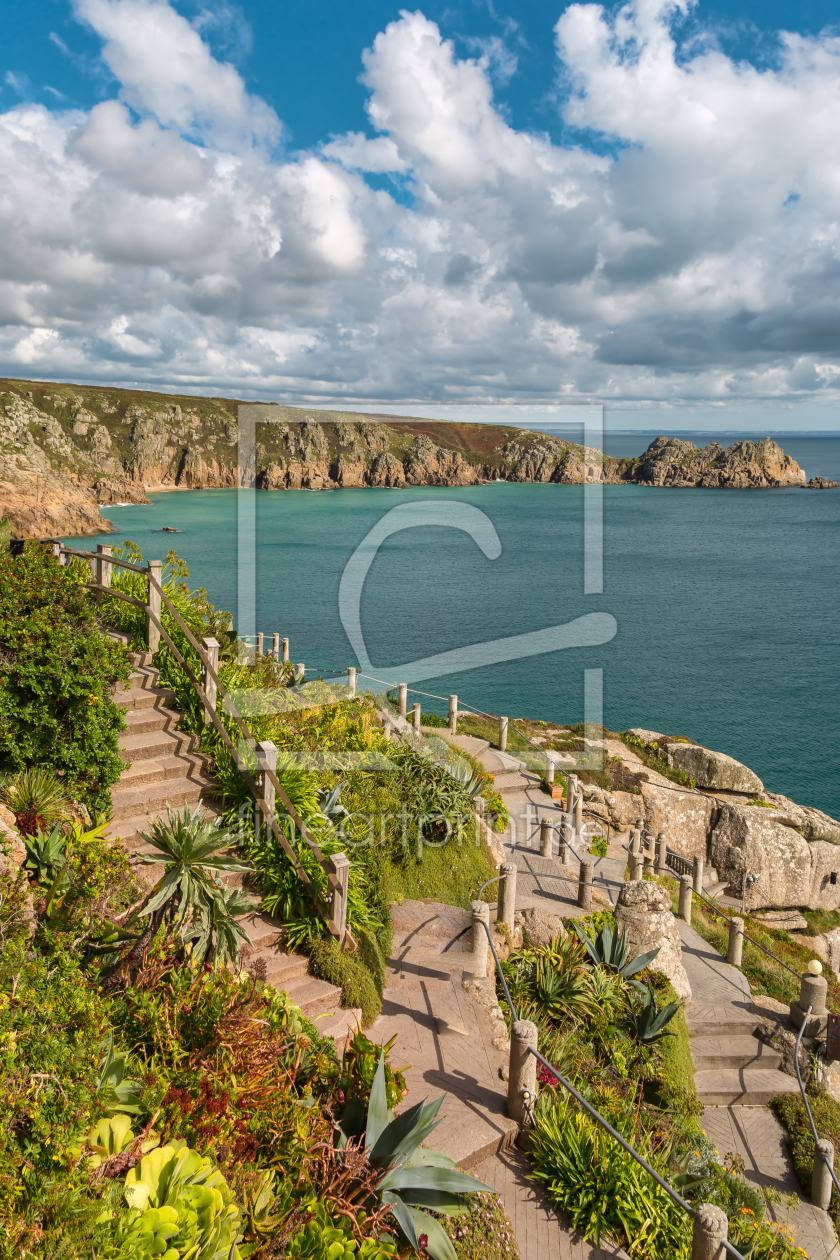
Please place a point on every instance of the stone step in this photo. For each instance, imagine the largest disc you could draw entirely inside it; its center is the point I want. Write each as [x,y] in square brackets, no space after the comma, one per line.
[716,890]
[513,782]
[313,996]
[276,966]
[152,798]
[429,918]
[711,1052]
[144,698]
[127,830]
[436,944]
[339,1026]
[739,1024]
[747,1087]
[162,769]
[264,931]
[148,745]
[139,721]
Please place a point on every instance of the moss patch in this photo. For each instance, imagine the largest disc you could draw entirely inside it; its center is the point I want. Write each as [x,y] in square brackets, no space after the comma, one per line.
[452,874]
[359,986]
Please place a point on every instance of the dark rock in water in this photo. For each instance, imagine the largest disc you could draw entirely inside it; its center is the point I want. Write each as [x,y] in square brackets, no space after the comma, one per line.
[167,529]
[821,483]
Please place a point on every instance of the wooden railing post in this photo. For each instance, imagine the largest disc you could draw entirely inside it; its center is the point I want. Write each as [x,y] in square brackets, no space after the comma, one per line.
[266,760]
[351,681]
[503,730]
[453,715]
[154,583]
[340,879]
[275,646]
[285,649]
[211,647]
[260,641]
[103,569]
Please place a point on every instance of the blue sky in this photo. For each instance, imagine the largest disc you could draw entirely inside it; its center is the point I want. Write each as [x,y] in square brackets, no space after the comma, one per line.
[470,205]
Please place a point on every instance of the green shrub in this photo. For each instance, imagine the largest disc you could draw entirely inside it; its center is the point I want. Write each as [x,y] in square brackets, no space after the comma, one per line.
[791,1112]
[56,675]
[357,983]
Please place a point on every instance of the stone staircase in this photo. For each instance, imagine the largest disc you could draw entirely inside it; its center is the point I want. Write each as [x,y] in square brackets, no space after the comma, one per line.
[732,1067]
[164,768]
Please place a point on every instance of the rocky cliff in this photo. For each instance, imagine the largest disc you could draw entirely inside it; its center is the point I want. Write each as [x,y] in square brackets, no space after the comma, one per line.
[66,451]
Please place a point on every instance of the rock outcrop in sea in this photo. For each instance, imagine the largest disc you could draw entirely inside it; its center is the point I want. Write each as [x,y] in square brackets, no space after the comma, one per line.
[66,451]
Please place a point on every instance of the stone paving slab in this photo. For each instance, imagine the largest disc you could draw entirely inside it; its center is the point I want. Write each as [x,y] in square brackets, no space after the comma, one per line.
[447,1040]
[541,1231]
[755,1134]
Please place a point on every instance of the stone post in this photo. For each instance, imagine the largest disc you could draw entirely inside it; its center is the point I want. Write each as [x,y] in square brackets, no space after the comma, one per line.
[266,760]
[584,899]
[285,649]
[578,823]
[275,646]
[386,727]
[636,866]
[260,642]
[453,715]
[338,870]
[821,1183]
[699,863]
[503,729]
[648,851]
[711,1231]
[415,718]
[103,569]
[153,585]
[351,681]
[545,838]
[812,992]
[735,948]
[561,843]
[661,854]
[300,673]
[480,915]
[507,894]
[522,1070]
[549,769]
[571,792]
[211,648]
[686,890]
[635,841]
[403,698]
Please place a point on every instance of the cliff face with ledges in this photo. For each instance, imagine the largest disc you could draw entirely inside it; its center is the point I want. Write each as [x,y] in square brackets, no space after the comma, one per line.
[67,450]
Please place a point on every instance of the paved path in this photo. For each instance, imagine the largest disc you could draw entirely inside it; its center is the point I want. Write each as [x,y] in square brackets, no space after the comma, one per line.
[721,1002]
[540,1231]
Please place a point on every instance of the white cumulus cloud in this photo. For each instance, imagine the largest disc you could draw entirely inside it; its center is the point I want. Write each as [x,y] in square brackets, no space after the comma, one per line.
[163,236]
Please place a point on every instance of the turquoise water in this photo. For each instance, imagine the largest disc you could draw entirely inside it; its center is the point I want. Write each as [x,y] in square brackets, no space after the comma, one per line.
[727,603]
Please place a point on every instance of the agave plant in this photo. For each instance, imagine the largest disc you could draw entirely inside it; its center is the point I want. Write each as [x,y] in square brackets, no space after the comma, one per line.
[37,799]
[610,950]
[45,854]
[215,930]
[329,804]
[651,1022]
[398,1172]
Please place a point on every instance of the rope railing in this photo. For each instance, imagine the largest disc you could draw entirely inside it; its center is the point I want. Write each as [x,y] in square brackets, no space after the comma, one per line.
[595,1114]
[334,871]
[817,1152]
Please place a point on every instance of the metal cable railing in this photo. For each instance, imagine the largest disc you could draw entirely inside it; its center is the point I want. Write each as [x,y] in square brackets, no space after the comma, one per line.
[817,1151]
[595,1114]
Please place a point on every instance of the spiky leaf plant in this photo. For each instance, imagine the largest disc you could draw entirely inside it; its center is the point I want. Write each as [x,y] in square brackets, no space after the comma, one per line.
[405,1175]
[37,798]
[610,950]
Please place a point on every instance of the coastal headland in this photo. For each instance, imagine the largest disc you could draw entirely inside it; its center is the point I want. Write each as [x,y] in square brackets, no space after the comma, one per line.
[66,451]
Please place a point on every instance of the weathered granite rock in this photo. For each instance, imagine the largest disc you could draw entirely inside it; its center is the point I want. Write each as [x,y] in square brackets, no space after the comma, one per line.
[791,870]
[711,769]
[685,817]
[537,926]
[787,920]
[813,824]
[643,911]
[625,808]
[647,737]
[832,942]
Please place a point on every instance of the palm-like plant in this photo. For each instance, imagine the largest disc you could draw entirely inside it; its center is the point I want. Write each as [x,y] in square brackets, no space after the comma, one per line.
[397,1172]
[190,898]
[37,799]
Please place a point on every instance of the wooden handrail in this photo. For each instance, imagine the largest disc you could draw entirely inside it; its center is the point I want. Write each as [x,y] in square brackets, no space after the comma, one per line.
[325,862]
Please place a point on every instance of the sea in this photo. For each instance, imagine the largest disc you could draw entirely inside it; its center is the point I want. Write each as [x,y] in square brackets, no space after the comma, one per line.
[725,604]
